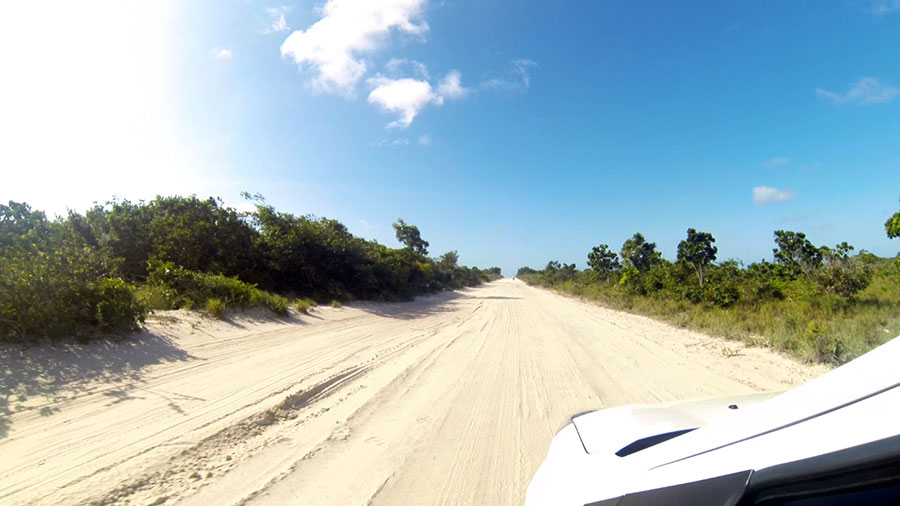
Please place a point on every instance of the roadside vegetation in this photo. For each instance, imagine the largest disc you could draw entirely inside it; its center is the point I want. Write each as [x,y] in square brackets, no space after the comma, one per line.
[102,271]
[823,303]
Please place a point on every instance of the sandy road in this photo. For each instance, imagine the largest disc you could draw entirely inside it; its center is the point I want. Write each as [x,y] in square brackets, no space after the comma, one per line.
[451,399]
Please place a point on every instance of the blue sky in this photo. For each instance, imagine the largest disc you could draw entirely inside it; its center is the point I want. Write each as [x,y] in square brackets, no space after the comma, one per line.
[514,132]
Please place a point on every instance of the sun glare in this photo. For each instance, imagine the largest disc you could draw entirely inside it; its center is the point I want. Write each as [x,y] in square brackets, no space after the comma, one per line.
[86,102]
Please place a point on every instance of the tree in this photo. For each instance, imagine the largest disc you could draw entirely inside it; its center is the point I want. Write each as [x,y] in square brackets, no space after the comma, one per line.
[525,271]
[796,253]
[640,254]
[603,261]
[698,251]
[449,260]
[556,272]
[410,237]
[892,226]
[840,274]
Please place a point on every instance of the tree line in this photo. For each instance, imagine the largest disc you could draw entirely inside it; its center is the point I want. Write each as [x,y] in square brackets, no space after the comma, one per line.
[800,295]
[695,276]
[105,269]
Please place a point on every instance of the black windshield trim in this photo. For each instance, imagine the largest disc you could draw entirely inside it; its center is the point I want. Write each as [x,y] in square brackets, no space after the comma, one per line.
[647,442]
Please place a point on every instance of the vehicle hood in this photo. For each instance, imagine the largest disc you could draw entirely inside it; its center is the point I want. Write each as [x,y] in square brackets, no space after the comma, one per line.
[610,430]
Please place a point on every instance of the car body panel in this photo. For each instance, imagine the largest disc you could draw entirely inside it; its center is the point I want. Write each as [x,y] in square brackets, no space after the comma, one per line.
[614,428]
[852,405]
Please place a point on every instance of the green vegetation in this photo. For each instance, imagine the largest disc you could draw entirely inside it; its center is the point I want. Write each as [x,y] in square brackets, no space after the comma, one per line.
[819,303]
[892,228]
[102,271]
[304,305]
[215,307]
[182,288]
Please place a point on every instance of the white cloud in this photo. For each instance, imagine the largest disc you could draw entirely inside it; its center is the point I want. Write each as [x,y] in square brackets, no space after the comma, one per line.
[280,24]
[450,86]
[424,140]
[517,80]
[400,141]
[334,46]
[223,54]
[865,91]
[882,7]
[408,96]
[397,66]
[405,96]
[764,195]
[778,160]
[276,20]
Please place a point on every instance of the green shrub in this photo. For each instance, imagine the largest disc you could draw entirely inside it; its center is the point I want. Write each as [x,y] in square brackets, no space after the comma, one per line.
[69,276]
[723,295]
[275,303]
[335,303]
[155,297]
[192,289]
[777,312]
[61,293]
[304,305]
[215,308]
[115,305]
[824,347]
[845,280]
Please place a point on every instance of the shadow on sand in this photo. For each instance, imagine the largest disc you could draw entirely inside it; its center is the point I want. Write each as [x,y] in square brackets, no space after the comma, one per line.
[60,370]
[421,307]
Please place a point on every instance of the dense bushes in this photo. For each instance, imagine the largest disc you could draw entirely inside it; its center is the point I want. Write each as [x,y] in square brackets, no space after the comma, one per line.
[52,285]
[102,271]
[818,302]
[182,288]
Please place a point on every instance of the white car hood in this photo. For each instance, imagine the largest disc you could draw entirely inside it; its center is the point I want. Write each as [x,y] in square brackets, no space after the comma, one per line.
[582,465]
[610,430]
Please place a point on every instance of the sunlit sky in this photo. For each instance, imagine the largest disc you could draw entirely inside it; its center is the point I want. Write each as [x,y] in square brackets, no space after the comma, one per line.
[514,132]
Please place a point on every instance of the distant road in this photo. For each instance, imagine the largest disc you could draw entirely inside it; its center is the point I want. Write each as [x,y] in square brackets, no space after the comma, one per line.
[451,399]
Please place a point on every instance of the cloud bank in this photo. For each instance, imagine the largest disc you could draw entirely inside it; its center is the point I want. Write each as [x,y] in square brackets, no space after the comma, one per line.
[335,46]
[338,50]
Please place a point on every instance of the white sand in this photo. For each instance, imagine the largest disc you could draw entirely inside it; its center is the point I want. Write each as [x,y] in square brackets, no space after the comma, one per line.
[451,399]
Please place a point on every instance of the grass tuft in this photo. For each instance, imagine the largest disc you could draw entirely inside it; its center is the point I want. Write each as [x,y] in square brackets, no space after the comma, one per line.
[215,308]
[304,305]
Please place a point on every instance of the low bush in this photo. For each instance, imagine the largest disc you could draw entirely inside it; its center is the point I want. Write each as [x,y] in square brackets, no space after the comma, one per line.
[60,294]
[215,307]
[115,305]
[304,305]
[76,275]
[273,302]
[189,289]
[798,316]
[155,297]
